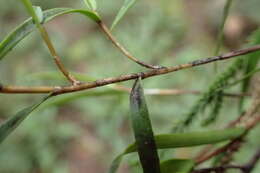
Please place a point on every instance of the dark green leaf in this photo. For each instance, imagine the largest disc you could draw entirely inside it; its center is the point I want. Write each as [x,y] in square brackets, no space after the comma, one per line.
[127,4]
[142,127]
[177,166]
[9,125]
[27,27]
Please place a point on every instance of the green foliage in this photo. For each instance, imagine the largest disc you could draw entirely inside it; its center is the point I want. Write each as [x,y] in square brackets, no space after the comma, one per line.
[177,166]
[143,131]
[250,63]
[154,33]
[178,140]
[91,4]
[27,27]
[127,4]
[14,121]
[213,95]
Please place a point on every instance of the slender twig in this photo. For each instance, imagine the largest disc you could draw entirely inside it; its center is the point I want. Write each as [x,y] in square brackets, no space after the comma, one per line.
[217,169]
[166,92]
[47,40]
[143,75]
[247,168]
[105,29]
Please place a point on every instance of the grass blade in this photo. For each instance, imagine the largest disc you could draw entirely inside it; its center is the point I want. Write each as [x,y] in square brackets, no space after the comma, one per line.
[142,127]
[127,4]
[9,125]
[28,26]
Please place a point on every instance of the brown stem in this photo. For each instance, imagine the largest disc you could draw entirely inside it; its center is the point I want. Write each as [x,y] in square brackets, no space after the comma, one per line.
[143,75]
[247,168]
[123,50]
[56,58]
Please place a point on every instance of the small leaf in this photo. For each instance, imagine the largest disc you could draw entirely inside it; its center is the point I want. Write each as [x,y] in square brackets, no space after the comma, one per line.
[9,125]
[178,140]
[127,4]
[143,132]
[28,26]
[177,166]
[91,4]
[39,13]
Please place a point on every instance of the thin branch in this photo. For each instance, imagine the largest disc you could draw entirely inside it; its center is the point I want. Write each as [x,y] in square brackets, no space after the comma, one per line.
[217,169]
[123,50]
[98,83]
[45,36]
[168,92]
[247,168]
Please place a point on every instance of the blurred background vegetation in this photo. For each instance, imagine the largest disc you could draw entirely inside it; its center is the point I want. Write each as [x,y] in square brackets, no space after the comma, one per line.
[83,132]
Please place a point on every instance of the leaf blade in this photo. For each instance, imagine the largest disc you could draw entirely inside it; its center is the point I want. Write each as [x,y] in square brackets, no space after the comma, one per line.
[13,122]
[126,6]
[24,29]
[177,140]
[143,132]
[91,4]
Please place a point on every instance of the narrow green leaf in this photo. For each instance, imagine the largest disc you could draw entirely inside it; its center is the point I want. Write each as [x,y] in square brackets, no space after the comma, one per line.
[192,139]
[177,166]
[179,140]
[39,13]
[127,4]
[28,26]
[142,127]
[9,125]
[91,4]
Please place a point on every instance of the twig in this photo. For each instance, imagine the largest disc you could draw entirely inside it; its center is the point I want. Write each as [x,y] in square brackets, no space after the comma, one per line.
[123,50]
[47,40]
[247,168]
[98,83]
[155,91]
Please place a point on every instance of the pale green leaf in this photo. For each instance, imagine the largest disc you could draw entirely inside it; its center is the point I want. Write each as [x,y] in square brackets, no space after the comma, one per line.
[28,26]
[179,140]
[91,4]
[127,4]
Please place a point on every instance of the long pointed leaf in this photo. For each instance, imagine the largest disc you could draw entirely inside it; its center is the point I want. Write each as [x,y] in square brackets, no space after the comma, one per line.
[127,4]
[9,125]
[142,127]
[28,26]
[178,140]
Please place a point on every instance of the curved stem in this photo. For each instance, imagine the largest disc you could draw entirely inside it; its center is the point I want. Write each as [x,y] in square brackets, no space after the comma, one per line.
[123,50]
